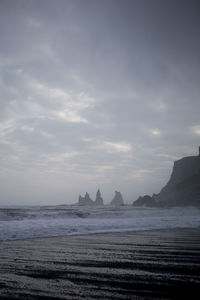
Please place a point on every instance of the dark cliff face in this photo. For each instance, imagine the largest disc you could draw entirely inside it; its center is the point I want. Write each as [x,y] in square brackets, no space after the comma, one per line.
[183,188]
[183,170]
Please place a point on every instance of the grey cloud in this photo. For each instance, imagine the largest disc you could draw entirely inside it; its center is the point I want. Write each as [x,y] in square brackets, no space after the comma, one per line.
[96,94]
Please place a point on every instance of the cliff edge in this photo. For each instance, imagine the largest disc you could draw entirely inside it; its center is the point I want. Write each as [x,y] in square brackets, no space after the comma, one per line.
[183,187]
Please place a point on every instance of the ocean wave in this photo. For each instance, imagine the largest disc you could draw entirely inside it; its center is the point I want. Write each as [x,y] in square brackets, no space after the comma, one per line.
[23,223]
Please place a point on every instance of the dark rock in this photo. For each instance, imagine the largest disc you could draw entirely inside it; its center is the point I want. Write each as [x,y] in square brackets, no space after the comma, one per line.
[99,199]
[183,188]
[85,200]
[145,201]
[117,200]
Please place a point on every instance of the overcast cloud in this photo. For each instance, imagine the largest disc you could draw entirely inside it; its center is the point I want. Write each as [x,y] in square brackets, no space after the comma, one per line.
[96,94]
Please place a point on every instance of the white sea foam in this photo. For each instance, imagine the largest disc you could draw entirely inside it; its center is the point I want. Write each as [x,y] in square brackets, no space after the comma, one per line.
[20,223]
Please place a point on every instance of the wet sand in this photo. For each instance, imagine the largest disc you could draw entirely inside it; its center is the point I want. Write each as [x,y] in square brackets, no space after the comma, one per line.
[157,264]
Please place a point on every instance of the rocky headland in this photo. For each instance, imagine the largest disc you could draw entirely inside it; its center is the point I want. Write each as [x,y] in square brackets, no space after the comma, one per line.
[182,189]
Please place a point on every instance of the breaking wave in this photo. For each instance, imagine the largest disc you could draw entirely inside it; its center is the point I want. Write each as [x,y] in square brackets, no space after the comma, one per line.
[31,222]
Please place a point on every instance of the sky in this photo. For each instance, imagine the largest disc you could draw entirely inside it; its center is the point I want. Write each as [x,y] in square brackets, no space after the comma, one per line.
[96,94]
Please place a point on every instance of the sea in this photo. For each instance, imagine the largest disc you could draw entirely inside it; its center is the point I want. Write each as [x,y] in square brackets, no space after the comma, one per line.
[47,221]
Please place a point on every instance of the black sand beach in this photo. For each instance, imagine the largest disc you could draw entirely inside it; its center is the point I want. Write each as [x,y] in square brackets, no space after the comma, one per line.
[157,264]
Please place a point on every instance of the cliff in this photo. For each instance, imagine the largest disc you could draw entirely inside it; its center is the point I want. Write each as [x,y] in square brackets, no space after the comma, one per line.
[183,187]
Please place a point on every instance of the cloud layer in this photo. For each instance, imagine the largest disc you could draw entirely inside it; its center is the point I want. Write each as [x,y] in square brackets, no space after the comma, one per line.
[95,94]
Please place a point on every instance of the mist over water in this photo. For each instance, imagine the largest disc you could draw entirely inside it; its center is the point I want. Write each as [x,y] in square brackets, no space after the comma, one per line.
[31,222]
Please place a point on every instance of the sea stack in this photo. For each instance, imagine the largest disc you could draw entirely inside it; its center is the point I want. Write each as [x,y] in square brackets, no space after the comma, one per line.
[85,200]
[99,199]
[117,200]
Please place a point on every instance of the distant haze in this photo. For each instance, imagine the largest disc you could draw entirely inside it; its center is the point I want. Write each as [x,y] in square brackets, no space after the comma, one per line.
[96,94]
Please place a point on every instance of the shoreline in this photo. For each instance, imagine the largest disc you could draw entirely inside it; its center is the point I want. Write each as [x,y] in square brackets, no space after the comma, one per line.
[100,233]
[148,264]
